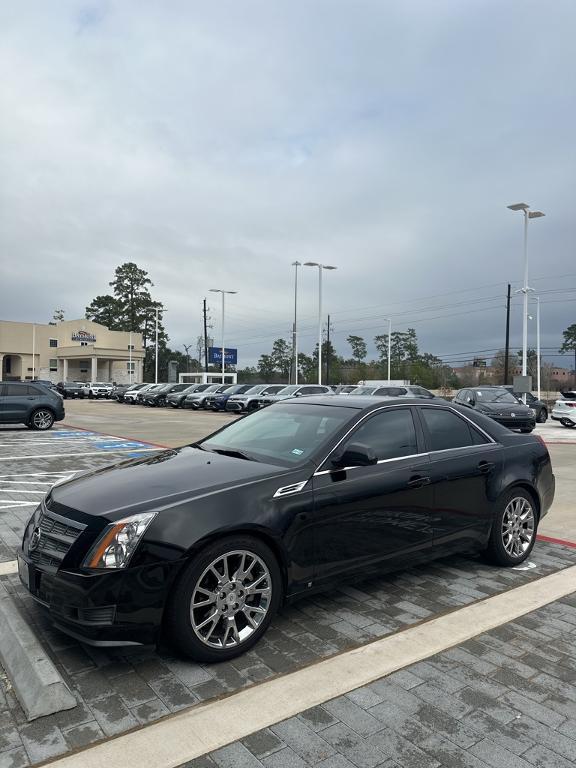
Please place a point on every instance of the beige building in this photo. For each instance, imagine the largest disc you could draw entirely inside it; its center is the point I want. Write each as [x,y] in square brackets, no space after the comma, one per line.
[73,350]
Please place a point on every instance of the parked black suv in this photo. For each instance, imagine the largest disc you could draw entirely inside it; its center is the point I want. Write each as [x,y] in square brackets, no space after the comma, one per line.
[500,404]
[32,404]
[69,389]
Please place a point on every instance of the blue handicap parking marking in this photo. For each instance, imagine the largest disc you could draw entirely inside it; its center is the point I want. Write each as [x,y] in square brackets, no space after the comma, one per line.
[108,445]
[72,433]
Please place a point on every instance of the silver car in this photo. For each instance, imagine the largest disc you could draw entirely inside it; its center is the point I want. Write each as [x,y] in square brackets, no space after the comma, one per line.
[296,390]
[406,390]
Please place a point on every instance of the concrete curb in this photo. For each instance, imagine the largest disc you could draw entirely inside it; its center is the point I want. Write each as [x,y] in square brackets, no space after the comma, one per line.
[37,683]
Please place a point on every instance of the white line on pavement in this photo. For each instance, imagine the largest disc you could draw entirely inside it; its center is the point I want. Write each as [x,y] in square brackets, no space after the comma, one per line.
[176,740]
[12,503]
[10,567]
[25,482]
[17,490]
[102,452]
[40,474]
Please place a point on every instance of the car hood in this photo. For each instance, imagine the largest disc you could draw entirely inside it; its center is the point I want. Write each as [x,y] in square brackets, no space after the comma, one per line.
[504,408]
[156,482]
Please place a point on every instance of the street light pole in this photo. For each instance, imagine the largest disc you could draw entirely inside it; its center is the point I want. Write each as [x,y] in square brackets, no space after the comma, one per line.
[320,268]
[528,214]
[389,346]
[156,356]
[130,358]
[295,264]
[222,292]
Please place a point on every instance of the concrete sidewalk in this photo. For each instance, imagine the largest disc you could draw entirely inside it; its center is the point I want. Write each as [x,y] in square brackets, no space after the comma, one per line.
[506,699]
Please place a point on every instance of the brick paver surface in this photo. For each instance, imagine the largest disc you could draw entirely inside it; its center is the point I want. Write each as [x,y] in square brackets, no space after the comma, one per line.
[506,699]
[117,690]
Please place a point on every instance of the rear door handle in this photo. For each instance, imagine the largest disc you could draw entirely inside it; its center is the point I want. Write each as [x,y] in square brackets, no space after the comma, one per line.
[485,467]
[418,481]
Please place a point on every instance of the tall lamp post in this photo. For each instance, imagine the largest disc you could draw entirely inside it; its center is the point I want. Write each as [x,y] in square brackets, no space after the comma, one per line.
[389,345]
[219,290]
[320,268]
[538,363]
[295,264]
[528,214]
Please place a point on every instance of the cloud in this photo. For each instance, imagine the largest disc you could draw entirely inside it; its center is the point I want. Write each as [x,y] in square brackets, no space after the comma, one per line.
[215,143]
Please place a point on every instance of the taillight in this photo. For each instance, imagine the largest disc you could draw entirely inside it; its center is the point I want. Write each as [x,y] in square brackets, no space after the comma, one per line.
[570,405]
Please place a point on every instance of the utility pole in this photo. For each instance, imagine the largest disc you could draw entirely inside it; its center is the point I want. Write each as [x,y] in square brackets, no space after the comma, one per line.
[328,353]
[187,347]
[507,347]
[205,338]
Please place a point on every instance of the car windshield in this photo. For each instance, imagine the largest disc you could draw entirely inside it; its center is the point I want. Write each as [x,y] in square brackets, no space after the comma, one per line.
[289,390]
[285,434]
[363,390]
[494,396]
[255,389]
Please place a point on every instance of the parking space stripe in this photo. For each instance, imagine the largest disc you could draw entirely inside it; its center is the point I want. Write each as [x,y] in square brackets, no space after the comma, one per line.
[552,540]
[8,568]
[177,739]
[74,455]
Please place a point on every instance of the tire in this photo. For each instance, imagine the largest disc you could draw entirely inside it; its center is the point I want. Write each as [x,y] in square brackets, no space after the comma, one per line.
[191,629]
[567,423]
[41,419]
[90,395]
[527,430]
[542,416]
[512,539]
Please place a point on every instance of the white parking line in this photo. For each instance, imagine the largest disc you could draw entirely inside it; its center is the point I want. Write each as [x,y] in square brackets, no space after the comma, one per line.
[176,740]
[25,482]
[102,452]
[17,490]
[10,567]
[8,503]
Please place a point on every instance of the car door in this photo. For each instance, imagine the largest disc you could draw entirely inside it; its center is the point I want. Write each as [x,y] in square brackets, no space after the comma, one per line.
[464,466]
[17,402]
[367,515]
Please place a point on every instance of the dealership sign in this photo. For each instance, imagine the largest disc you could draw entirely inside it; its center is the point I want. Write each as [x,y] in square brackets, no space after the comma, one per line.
[83,336]
[215,356]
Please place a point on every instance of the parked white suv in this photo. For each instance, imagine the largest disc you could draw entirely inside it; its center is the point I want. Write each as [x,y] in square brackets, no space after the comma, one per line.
[564,410]
[97,389]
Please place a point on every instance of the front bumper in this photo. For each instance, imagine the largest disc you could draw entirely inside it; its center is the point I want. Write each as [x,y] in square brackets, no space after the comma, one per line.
[564,415]
[103,608]
[516,422]
[235,405]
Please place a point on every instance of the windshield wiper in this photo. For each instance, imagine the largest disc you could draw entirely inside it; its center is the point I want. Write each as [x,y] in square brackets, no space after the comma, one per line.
[235,454]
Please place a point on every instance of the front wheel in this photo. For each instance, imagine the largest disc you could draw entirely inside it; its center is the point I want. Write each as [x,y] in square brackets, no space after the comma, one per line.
[542,416]
[225,599]
[41,419]
[514,530]
[527,430]
[567,423]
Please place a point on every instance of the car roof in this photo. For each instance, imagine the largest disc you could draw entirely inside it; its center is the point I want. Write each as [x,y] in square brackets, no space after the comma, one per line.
[363,402]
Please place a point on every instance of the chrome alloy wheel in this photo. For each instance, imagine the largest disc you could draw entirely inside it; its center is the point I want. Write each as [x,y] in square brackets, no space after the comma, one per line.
[517,526]
[231,599]
[42,420]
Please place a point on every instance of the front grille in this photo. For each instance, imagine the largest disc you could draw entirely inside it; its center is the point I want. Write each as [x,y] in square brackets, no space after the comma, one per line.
[57,535]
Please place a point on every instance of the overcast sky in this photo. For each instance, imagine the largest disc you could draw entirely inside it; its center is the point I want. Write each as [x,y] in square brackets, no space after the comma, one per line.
[213,143]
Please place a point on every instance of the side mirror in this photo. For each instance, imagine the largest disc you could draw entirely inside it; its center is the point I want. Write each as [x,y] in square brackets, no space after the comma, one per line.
[471,401]
[355,455]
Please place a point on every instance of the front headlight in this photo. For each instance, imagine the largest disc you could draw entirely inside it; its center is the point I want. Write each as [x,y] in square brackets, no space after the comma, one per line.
[118,542]
[531,412]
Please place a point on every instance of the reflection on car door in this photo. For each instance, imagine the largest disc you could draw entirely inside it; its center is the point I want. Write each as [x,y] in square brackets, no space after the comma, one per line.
[463,465]
[367,515]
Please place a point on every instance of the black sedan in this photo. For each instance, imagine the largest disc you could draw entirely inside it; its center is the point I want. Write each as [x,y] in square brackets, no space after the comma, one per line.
[205,542]
[500,404]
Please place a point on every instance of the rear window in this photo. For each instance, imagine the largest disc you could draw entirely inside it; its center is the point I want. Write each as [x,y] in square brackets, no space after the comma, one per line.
[447,430]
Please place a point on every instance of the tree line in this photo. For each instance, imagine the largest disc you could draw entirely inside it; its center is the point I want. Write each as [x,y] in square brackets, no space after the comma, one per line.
[130,306]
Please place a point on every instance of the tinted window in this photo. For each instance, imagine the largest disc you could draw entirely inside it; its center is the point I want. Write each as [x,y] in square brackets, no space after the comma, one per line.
[494,396]
[15,390]
[448,430]
[390,434]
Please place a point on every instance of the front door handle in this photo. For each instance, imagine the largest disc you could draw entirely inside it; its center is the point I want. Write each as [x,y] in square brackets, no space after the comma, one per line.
[485,467]
[418,481]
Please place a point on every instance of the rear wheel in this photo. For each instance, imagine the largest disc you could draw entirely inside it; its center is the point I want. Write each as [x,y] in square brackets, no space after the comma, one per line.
[567,423]
[225,599]
[41,419]
[514,530]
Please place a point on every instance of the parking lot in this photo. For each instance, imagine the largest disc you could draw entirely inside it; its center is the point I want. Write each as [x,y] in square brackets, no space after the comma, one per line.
[464,703]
